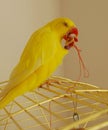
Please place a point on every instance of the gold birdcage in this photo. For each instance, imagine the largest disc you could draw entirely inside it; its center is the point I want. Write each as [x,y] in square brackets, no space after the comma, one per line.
[60,104]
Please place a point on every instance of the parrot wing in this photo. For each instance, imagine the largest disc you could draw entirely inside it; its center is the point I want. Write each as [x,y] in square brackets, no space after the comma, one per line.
[39,50]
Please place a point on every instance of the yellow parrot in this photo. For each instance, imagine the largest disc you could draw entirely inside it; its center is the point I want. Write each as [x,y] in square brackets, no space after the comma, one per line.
[40,58]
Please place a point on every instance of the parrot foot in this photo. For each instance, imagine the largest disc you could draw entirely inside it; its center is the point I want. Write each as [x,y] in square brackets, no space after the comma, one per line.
[49,82]
[45,84]
[70,90]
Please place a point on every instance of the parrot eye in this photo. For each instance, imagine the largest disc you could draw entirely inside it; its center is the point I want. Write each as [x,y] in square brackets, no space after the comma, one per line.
[65,24]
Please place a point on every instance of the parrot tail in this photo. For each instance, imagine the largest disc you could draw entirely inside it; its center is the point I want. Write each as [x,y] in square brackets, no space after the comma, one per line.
[5,98]
[2,94]
[8,95]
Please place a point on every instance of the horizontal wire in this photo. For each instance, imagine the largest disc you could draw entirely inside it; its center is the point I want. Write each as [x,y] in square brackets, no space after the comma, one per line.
[33,117]
[89,118]
[77,100]
[99,126]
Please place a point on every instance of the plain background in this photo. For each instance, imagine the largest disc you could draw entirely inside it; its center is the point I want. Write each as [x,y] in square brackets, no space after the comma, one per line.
[19,18]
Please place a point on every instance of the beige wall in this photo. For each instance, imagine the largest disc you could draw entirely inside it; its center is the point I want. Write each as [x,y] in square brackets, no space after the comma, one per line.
[91,17]
[19,18]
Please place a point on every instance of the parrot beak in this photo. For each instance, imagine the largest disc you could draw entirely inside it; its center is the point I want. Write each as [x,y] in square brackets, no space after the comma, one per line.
[71,37]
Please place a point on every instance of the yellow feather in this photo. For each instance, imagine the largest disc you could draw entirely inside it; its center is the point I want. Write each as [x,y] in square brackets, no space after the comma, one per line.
[40,58]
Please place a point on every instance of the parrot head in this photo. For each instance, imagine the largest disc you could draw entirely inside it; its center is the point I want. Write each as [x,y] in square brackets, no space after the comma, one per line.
[66,30]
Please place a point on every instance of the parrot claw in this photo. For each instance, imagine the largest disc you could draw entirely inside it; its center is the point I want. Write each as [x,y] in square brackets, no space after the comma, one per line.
[45,84]
[49,82]
[70,90]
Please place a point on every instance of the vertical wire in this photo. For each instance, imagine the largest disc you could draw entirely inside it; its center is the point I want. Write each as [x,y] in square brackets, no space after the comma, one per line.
[42,111]
[15,122]
[8,118]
